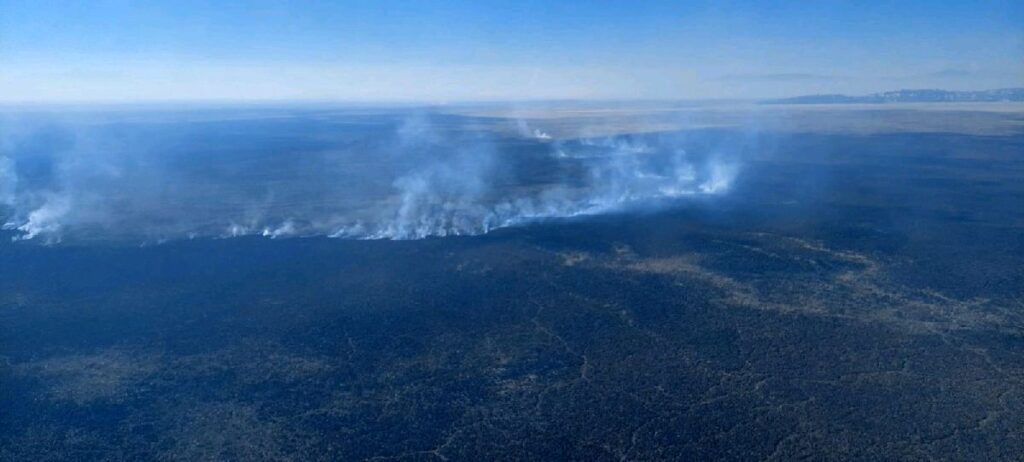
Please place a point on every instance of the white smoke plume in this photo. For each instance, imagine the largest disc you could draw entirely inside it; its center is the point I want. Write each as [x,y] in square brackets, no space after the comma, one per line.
[8,182]
[421,177]
[526,132]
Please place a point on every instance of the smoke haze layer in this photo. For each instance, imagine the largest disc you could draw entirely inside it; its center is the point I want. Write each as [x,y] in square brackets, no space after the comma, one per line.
[155,176]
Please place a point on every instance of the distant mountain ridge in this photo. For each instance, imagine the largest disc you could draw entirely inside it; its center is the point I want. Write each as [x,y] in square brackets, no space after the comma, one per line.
[910,96]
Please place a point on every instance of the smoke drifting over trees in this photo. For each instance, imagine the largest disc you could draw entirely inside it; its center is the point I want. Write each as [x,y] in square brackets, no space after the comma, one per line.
[396,176]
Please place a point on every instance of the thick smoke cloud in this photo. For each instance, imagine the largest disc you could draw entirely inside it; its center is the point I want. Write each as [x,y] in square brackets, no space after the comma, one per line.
[349,176]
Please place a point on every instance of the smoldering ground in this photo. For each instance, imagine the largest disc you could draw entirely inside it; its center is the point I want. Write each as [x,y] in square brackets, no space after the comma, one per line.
[155,176]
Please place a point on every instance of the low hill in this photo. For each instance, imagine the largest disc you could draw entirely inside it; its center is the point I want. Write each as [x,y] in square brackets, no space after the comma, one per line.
[910,96]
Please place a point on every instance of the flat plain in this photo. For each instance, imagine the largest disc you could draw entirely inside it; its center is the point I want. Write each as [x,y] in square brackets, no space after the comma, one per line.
[857,294]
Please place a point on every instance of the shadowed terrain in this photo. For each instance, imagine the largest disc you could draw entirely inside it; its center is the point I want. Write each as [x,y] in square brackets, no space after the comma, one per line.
[856,294]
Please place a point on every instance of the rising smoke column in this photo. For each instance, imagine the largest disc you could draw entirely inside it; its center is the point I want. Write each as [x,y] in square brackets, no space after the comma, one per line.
[8,182]
[454,194]
[420,178]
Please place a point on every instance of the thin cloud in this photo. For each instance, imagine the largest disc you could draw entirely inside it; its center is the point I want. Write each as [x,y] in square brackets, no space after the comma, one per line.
[778,77]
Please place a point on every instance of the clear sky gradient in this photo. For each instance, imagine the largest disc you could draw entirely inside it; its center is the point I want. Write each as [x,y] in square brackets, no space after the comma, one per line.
[445,51]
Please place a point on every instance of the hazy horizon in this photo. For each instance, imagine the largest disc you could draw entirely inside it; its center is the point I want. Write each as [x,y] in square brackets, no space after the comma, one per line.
[459,52]
[454,230]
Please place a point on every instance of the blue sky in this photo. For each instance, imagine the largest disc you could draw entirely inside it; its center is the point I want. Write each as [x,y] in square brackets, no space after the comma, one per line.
[442,51]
